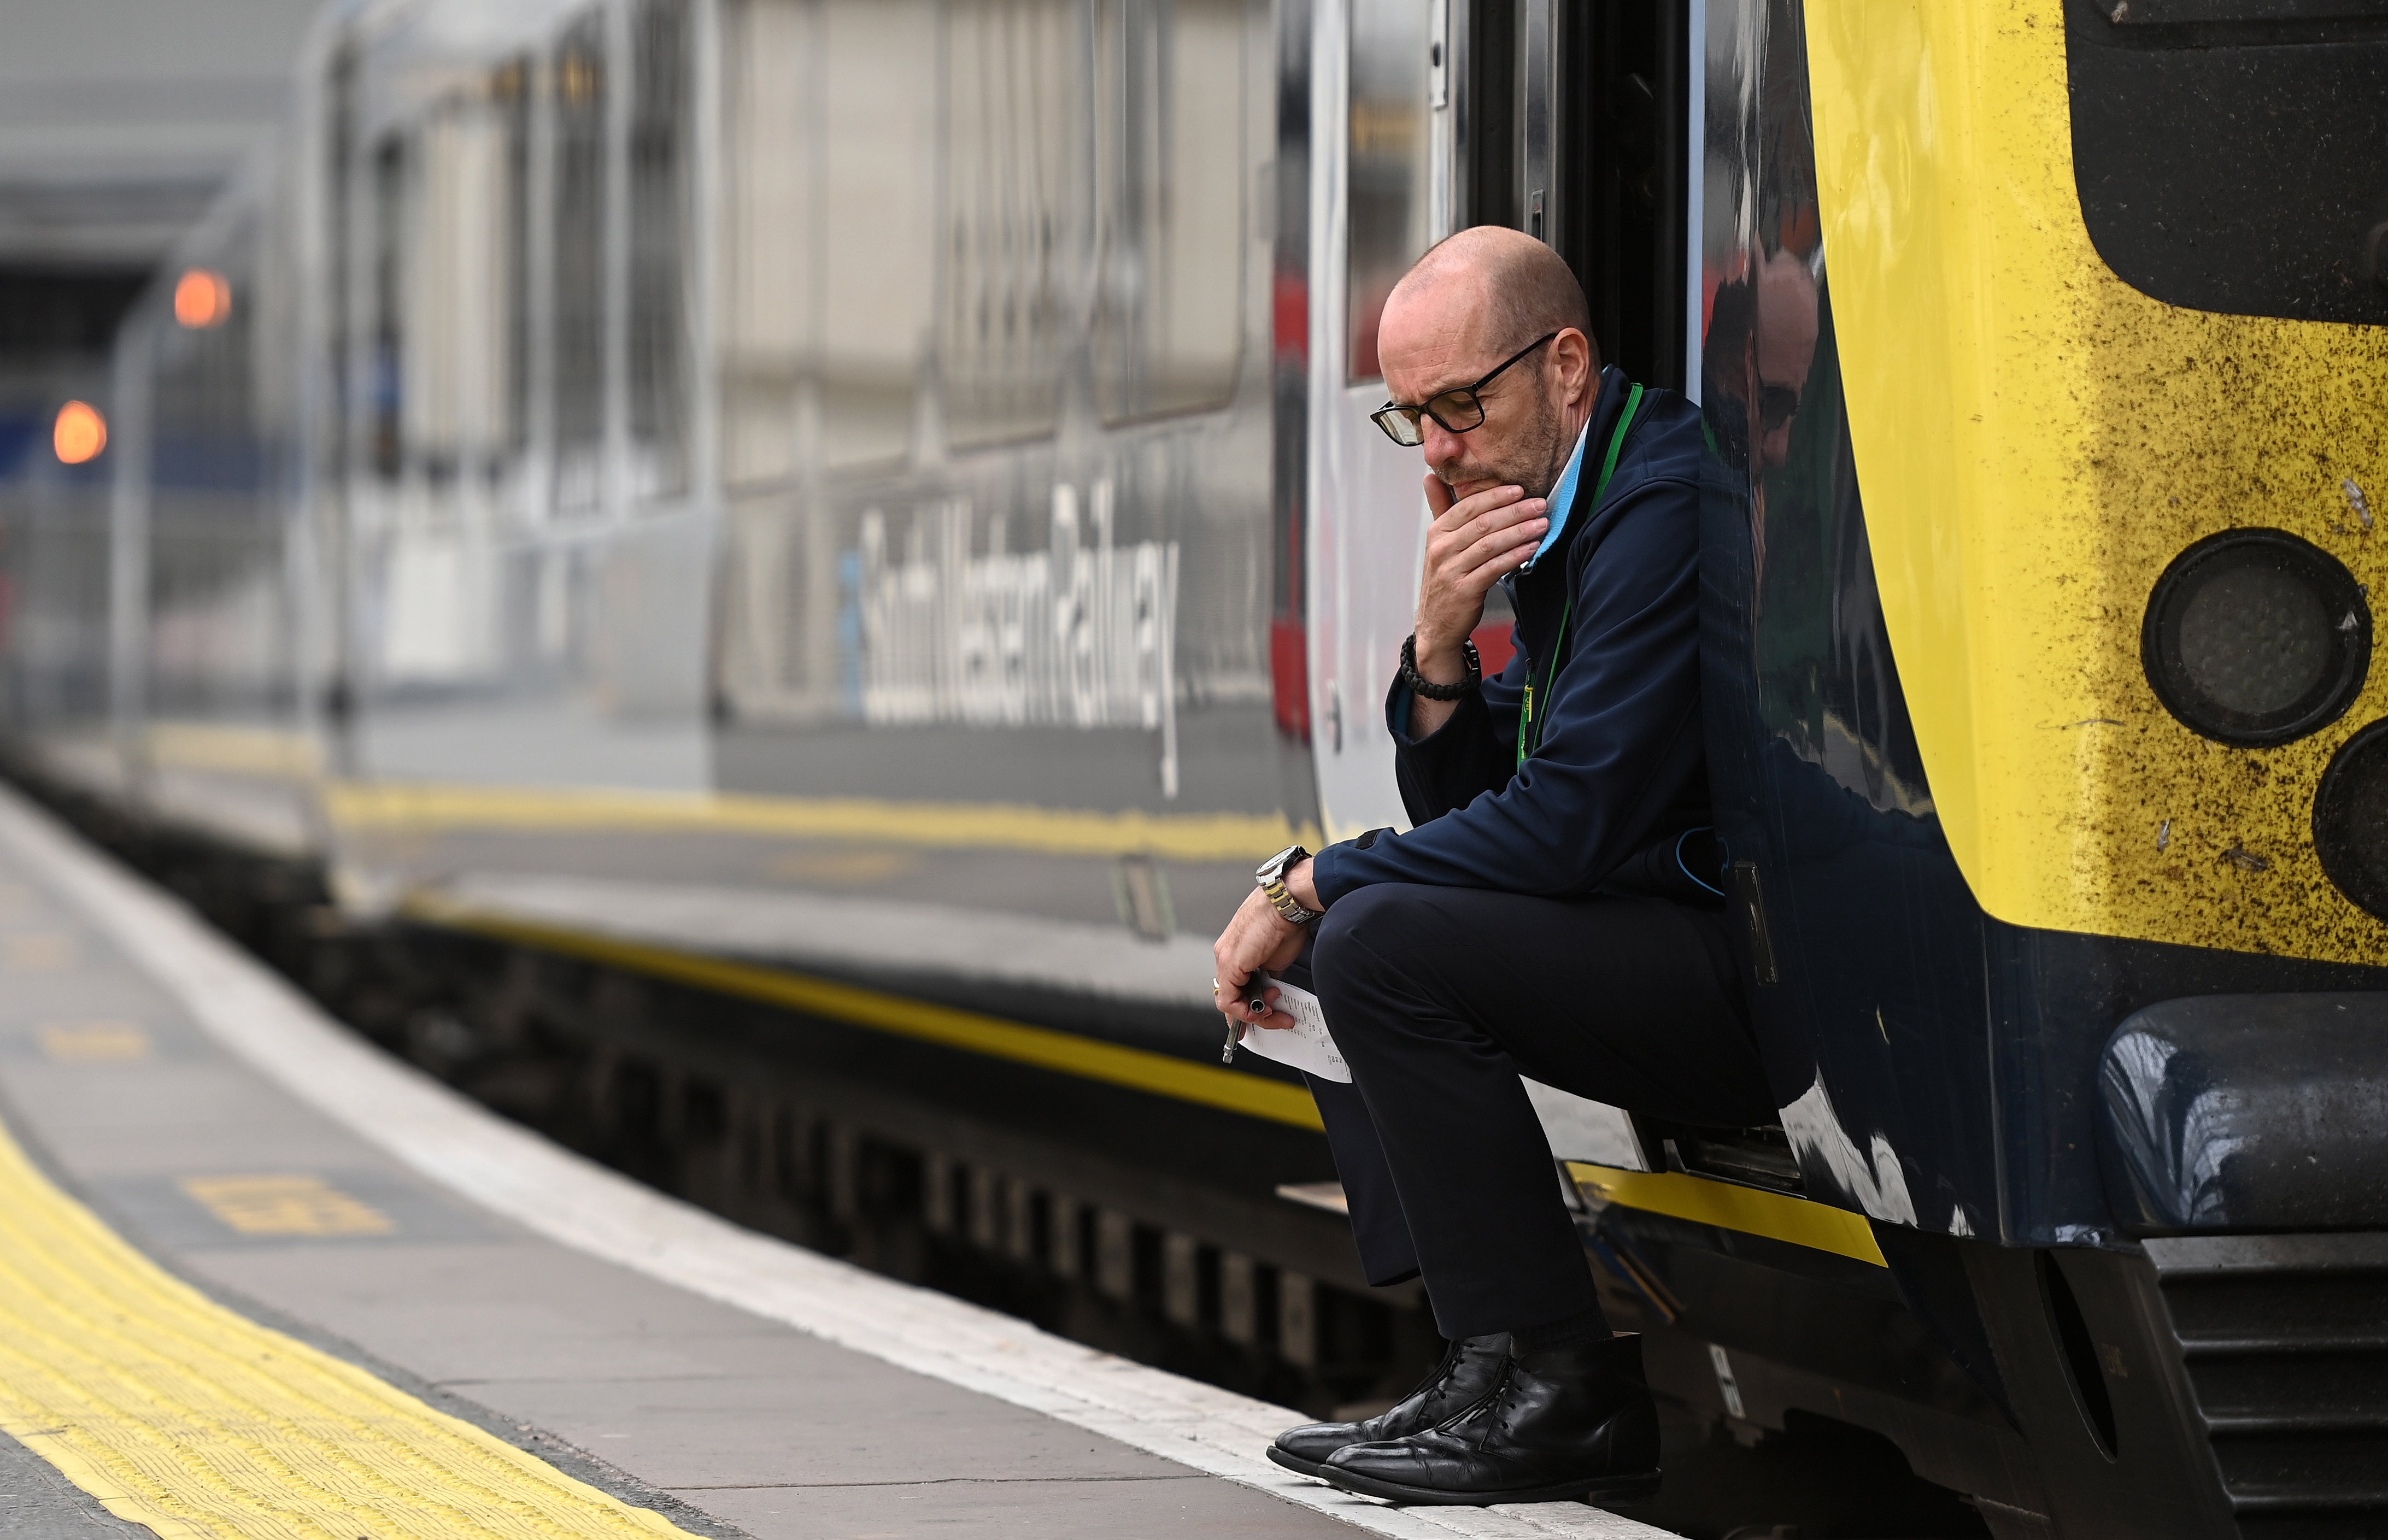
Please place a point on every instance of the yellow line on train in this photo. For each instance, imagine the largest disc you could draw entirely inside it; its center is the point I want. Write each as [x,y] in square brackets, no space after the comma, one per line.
[1728,1205]
[355,805]
[1068,1053]
[177,1413]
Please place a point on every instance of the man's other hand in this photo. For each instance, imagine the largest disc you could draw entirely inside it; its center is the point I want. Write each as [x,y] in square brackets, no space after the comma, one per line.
[1258,940]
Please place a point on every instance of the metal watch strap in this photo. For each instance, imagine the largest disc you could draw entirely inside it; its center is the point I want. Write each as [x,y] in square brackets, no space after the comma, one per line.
[1281,899]
[1271,878]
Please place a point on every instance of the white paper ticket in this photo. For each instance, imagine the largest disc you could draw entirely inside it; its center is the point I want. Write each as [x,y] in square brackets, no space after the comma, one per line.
[1307,1044]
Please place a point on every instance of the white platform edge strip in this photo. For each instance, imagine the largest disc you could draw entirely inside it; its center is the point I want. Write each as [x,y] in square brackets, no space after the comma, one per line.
[257,1015]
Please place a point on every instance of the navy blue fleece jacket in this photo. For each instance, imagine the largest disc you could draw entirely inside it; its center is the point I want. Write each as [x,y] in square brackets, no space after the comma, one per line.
[1615,800]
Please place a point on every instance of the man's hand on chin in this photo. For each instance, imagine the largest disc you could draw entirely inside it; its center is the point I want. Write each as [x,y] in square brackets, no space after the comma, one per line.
[1260,939]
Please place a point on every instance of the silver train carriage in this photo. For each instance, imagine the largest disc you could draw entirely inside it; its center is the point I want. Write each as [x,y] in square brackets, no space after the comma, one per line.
[811,544]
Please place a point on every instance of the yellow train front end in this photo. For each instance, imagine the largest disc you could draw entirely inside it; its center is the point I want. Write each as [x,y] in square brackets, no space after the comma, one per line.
[2046,359]
[2047,445]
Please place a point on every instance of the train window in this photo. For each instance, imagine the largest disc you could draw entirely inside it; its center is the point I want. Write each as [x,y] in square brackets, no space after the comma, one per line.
[205,409]
[1389,209]
[340,341]
[874,215]
[216,591]
[659,191]
[767,286]
[874,230]
[1171,176]
[579,286]
[2226,152]
[384,397]
[453,355]
[1013,102]
[510,94]
[828,312]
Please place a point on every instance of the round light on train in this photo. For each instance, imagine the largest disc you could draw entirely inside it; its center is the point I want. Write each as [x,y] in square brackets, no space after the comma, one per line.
[79,433]
[2351,819]
[202,298]
[2255,638]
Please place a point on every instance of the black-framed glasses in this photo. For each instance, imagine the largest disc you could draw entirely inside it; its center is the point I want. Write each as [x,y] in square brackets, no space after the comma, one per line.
[1458,410]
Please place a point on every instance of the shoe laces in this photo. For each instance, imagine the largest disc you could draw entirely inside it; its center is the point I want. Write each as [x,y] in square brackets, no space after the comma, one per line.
[1489,1412]
[1444,1368]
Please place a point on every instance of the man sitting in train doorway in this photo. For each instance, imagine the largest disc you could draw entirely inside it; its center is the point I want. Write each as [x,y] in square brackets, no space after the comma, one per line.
[1554,910]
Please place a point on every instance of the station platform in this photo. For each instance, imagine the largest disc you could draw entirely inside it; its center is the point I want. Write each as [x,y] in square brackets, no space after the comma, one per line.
[257,1279]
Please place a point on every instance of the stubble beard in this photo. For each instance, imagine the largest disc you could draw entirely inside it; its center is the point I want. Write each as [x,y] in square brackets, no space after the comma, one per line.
[1535,461]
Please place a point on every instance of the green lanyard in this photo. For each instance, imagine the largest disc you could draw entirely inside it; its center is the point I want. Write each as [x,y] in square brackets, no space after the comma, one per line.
[1530,732]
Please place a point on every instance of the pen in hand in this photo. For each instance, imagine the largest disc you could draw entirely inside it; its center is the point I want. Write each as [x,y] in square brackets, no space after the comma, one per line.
[1257,1003]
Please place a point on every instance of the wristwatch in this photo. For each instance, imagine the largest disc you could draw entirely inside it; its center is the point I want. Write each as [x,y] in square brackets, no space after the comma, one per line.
[1271,878]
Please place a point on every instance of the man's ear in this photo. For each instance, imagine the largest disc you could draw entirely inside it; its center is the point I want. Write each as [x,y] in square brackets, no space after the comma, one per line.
[1572,350]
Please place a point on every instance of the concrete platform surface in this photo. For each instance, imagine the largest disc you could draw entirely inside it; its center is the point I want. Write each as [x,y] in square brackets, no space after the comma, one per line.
[728,1382]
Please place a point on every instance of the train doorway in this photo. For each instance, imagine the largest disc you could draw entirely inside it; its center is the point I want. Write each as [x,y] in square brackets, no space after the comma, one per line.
[1584,124]
[1576,123]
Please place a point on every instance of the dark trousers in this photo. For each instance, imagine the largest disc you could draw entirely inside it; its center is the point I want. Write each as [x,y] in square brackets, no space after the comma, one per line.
[1440,998]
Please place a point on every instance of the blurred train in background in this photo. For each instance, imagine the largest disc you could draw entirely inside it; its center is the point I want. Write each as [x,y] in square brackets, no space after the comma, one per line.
[810,501]
[748,579]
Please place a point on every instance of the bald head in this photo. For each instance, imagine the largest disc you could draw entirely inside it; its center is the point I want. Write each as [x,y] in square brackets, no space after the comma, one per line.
[1511,286]
[1472,301]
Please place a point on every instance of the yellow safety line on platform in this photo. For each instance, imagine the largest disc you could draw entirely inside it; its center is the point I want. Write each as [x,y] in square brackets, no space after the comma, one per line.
[1088,1058]
[177,1413]
[286,1205]
[1728,1205]
[269,752]
[357,805]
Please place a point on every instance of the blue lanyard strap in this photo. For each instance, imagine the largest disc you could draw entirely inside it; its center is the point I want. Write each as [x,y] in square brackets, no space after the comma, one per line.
[1530,730]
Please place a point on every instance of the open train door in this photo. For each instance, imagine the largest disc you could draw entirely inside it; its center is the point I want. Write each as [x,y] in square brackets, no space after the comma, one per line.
[1575,122]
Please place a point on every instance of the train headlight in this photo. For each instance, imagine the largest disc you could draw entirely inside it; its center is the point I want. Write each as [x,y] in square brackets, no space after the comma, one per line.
[2255,636]
[2351,819]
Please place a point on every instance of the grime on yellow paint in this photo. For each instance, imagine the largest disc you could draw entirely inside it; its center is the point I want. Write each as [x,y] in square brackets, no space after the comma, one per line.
[2036,441]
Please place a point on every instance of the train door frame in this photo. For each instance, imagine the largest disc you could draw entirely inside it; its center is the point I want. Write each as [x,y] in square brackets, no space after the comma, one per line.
[1363,565]
[1360,582]
[1510,142]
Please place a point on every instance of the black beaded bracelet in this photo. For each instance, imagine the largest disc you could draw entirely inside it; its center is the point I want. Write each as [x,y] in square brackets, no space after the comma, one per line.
[1417,682]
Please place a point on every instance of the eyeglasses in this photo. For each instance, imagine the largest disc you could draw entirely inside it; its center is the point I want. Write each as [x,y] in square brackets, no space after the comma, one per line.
[1458,410]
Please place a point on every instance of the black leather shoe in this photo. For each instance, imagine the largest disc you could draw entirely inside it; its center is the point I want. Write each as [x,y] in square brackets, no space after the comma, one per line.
[1470,1367]
[1563,1424]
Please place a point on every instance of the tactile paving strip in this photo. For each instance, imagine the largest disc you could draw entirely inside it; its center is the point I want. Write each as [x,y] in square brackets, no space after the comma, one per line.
[180,1414]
